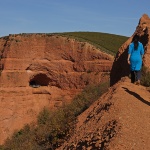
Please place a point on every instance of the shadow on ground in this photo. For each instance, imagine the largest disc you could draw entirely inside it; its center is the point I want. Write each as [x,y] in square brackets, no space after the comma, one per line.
[137,96]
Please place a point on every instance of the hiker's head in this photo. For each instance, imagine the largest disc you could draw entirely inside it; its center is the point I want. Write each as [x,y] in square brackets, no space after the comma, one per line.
[135,40]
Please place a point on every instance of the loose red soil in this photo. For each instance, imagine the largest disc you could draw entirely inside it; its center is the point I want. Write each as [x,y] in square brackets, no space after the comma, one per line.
[119,120]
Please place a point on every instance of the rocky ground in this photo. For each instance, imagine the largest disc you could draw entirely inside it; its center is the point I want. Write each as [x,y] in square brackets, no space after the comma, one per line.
[119,120]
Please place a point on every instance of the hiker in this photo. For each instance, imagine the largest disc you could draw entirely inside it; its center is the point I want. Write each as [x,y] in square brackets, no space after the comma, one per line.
[135,56]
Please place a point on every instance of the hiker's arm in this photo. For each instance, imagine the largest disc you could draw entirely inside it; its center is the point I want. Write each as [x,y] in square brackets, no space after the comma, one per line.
[129,52]
[128,59]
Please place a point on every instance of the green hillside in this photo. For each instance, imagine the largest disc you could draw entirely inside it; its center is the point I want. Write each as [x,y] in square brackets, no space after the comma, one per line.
[109,43]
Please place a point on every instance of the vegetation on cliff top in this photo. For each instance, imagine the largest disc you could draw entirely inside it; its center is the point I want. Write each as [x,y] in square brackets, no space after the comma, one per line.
[110,43]
[145,79]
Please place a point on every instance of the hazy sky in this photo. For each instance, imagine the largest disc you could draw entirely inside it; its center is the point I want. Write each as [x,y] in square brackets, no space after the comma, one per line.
[47,16]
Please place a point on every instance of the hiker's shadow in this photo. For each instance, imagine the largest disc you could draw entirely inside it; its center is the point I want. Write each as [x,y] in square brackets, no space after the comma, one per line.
[137,96]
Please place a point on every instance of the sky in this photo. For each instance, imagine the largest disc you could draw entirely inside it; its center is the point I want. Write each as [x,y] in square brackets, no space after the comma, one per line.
[118,17]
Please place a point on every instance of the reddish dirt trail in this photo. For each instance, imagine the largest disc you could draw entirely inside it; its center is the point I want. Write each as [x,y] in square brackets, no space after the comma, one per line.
[119,120]
[134,116]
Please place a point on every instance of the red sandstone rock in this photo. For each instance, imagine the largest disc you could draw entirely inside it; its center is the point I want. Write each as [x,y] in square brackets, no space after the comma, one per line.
[119,120]
[58,68]
[120,66]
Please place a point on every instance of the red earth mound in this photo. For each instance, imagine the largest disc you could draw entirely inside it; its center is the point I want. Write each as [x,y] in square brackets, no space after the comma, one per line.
[119,120]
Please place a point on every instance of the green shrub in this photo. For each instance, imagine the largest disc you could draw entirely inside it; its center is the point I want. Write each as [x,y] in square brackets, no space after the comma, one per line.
[22,140]
[145,79]
[90,94]
[1,147]
[43,116]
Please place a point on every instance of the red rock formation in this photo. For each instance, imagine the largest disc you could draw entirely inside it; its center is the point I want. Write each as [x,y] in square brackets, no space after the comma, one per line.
[58,66]
[120,66]
[119,120]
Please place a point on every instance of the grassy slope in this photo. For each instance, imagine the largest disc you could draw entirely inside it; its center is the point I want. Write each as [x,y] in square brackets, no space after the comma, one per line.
[109,43]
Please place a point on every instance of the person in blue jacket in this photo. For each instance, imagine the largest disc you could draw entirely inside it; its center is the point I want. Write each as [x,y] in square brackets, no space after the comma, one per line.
[135,56]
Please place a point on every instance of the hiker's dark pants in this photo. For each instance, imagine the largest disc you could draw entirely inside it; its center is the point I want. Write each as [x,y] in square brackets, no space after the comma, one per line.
[135,76]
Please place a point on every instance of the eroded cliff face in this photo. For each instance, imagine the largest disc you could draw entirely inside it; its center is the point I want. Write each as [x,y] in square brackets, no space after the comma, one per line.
[120,66]
[57,66]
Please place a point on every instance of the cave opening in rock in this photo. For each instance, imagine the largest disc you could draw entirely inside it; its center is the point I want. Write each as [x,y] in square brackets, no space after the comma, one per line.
[39,80]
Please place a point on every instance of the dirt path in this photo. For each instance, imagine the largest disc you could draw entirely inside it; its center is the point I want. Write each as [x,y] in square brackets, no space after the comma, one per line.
[119,120]
[134,116]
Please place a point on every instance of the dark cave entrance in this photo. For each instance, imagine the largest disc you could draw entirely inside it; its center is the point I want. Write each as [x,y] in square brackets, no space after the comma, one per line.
[39,80]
